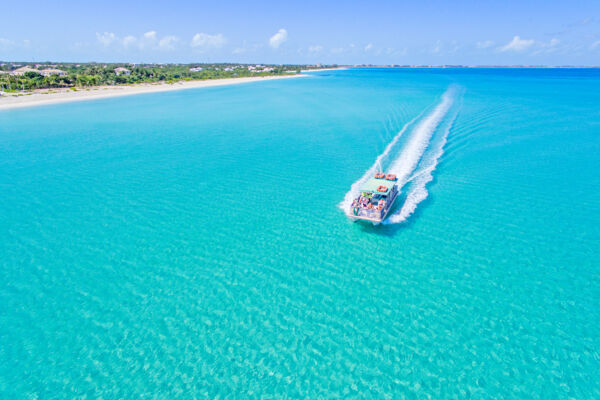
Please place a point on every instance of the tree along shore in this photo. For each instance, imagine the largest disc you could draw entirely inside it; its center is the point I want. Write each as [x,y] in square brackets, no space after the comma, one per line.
[16,77]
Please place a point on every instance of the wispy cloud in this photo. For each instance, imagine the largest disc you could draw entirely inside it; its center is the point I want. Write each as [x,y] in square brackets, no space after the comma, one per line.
[204,41]
[517,45]
[546,48]
[129,41]
[6,44]
[246,48]
[595,45]
[315,48]
[369,47]
[168,42]
[106,38]
[148,40]
[150,35]
[277,39]
[390,51]
[568,28]
[437,48]
[485,44]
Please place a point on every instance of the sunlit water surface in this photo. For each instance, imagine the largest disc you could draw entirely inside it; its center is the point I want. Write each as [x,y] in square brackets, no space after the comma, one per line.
[191,244]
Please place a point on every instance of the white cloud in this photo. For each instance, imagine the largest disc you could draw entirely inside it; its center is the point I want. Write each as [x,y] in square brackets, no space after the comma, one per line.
[204,41]
[369,47]
[129,41]
[517,44]
[315,49]
[485,44]
[595,45]
[168,42]
[437,48]
[277,39]
[337,50]
[150,35]
[79,46]
[5,44]
[106,38]
[551,46]
[148,40]
[546,48]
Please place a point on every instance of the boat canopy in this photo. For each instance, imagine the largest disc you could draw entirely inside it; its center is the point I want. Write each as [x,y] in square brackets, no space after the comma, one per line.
[376,186]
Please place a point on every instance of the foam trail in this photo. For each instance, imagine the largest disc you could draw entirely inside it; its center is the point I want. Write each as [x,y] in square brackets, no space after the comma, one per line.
[377,166]
[416,146]
[418,191]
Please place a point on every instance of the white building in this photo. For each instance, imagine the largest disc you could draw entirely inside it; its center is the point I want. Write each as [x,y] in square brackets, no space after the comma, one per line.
[52,71]
[122,71]
[21,71]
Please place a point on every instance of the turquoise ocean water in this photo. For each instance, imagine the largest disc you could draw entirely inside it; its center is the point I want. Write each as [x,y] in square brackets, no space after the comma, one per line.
[192,244]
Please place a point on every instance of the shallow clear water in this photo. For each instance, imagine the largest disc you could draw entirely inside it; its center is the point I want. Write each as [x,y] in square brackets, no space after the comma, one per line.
[191,244]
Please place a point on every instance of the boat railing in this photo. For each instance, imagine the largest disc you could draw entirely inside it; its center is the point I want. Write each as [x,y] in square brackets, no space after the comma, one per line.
[369,213]
[360,210]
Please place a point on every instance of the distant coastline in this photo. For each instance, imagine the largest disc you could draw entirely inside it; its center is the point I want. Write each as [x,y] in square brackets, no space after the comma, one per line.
[63,95]
[476,66]
[325,69]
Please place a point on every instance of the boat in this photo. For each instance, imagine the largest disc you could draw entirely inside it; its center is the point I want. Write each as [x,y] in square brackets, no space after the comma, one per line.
[376,199]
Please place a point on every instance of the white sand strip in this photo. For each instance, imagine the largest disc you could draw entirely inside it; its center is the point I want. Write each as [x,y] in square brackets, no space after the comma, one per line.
[53,96]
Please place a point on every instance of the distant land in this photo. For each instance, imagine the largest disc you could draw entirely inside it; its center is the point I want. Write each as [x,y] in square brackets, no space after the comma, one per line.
[21,78]
[26,77]
[470,66]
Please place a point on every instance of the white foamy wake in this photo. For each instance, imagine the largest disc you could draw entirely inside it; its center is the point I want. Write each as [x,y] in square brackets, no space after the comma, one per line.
[377,166]
[409,158]
[419,180]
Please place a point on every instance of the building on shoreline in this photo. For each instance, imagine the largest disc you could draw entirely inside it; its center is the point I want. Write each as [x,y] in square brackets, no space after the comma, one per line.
[23,70]
[52,71]
[122,71]
[45,72]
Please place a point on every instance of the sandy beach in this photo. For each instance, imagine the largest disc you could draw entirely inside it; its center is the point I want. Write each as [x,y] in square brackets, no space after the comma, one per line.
[62,95]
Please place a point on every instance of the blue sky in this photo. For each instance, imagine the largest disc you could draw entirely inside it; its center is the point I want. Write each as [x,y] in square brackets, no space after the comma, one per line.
[378,32]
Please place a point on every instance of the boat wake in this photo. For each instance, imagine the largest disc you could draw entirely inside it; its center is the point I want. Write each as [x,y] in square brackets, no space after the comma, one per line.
[417,159]
[377,166]
[420,178]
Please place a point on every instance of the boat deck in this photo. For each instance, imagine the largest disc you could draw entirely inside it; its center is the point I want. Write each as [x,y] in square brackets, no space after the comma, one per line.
[373,215]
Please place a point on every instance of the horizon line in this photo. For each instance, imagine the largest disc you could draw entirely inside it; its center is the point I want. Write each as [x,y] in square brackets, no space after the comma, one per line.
[362,65]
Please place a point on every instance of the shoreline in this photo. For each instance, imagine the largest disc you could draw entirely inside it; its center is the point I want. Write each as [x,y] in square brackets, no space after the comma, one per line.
[63,95]
[323,69]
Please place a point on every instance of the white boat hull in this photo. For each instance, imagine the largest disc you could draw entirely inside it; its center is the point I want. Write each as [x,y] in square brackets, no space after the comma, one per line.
[374,221]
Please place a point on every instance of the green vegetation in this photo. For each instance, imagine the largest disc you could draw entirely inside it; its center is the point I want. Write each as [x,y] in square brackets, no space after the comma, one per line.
[16,77]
